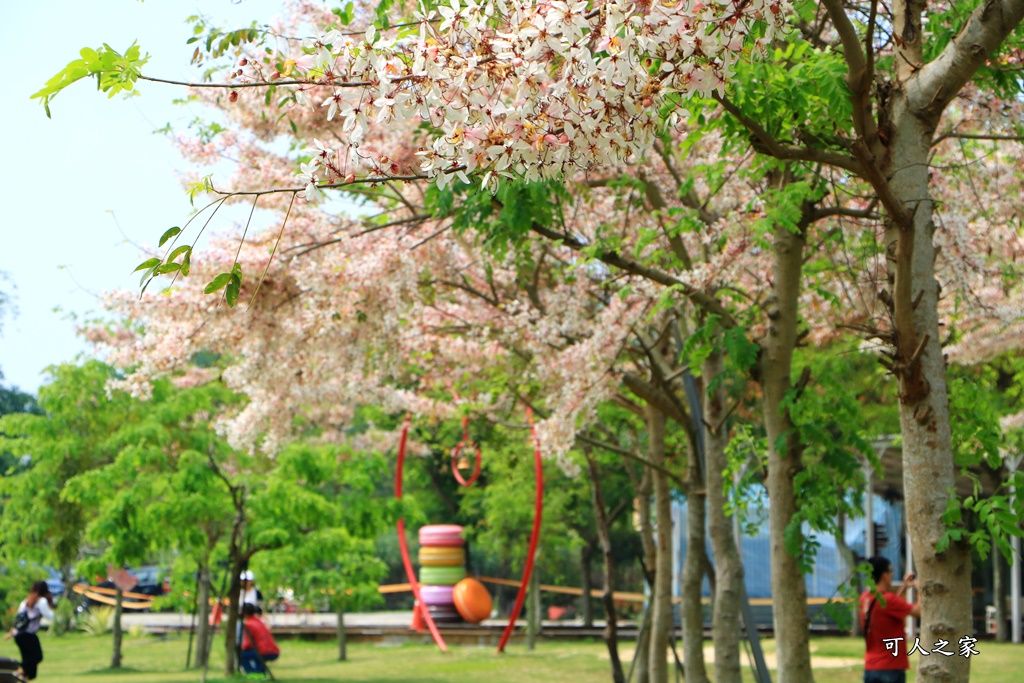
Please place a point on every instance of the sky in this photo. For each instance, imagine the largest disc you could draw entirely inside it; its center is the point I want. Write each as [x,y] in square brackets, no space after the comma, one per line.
[80,191]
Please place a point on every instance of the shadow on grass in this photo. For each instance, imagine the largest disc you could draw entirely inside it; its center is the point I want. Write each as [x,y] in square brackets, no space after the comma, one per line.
[238,679]
[107,671]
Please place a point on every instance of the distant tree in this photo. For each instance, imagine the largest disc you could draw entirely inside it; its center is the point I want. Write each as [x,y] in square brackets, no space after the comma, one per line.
[6,300]
[71,438]
[143,499]
[13,400]
[325,499]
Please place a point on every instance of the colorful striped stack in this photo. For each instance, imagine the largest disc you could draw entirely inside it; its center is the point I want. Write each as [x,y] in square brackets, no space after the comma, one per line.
[442,565]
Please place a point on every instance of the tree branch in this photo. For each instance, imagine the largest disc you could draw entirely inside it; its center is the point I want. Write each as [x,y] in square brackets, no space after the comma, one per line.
[655,396]
[687,195]
[373,180]
[859,69]
[613,258]
[829,211]
[658,203]
[937,83]
[977,136]
[662,372]
[621,507]
[254,84]
[632,456]
[270,84]
[469,289]
[774,148]
[629,405]
[873,175]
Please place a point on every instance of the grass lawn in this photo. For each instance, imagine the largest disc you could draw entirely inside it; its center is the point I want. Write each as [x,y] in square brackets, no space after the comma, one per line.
[83,659]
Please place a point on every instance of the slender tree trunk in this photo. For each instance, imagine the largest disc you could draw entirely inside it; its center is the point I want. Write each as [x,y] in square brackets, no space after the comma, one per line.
[850,560]
[640,659]
[728,566]
[203,632]
[693,576]
[533,616]
[789,592]
[115,660]
[650,552]
[661,619]
[1000,573]
[918,362]
[342,638]
[586,557]
[604,537]
[231,618]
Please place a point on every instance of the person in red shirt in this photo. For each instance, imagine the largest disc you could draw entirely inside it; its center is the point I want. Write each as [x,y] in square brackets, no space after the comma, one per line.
[882,614]
[256,638]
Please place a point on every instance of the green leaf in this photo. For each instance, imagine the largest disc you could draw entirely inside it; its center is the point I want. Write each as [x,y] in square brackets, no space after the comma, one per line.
[218,283]
[183,249]
[167,268]
[147,264]
[171,232]
[234,285]
[231,293]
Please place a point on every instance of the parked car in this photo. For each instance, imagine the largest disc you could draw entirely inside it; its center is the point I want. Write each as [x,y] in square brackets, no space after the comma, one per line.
[52,578]
[55,583]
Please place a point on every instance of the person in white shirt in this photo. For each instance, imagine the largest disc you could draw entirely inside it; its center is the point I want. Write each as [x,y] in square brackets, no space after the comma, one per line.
[31,611]
[249,595]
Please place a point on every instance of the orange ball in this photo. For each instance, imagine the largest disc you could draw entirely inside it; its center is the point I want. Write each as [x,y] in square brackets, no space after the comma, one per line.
[472,600]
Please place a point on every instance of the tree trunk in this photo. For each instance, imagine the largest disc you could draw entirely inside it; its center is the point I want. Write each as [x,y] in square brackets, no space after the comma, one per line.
[203,632]
[115,660]
[643,640]
[533,613]
[850,560]
[928,466]
[693,576]
[1000,573]
[643,495]
[604,537]
[728,566]
[342,638]
[586,556]
[789,592]
[661,619]
[231,618]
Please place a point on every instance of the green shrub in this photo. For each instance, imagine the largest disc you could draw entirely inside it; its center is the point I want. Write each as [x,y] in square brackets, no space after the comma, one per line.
[64,617]
[98,621]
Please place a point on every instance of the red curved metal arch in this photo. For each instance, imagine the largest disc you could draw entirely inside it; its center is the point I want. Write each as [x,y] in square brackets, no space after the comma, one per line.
[457,451]
[409,573]
[534,535]
[455,466]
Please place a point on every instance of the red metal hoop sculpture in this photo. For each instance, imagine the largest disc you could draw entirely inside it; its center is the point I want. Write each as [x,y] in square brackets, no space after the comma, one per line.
[457,451]
[534,535]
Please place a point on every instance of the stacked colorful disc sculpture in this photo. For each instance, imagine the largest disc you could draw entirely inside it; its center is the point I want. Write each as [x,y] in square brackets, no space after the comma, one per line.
[442,565]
